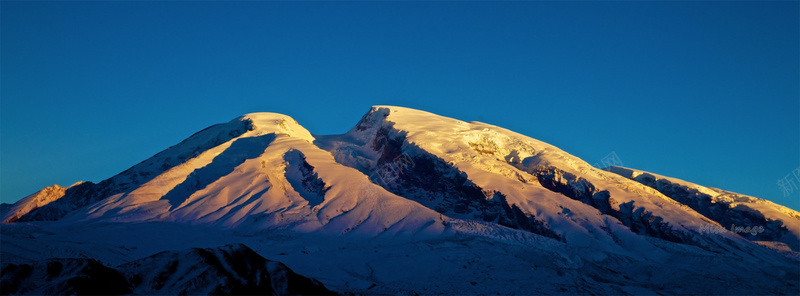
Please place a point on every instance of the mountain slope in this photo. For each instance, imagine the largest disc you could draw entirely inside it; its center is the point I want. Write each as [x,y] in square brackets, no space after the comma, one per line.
[765,220]
[87,193]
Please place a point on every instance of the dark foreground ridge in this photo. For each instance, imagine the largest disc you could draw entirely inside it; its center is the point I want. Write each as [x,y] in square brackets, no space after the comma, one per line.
[227,270]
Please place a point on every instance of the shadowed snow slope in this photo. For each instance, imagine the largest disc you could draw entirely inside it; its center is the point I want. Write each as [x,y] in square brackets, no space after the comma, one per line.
[412,202]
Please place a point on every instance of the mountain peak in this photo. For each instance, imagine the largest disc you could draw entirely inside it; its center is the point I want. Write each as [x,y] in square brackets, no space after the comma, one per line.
[267,122]
[397,112]
[34,201]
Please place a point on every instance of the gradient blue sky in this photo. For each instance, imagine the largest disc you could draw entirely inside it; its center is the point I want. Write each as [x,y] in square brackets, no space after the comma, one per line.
[703,91]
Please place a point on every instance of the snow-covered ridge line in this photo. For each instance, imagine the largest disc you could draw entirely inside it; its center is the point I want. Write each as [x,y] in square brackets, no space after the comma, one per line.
[88,193]
[772,221]
[34,201]
[480,154]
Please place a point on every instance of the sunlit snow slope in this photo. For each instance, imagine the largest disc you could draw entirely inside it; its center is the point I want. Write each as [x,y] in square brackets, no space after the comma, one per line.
[269,176]
[33,201]
[420,191]
[398,170]
[483,172]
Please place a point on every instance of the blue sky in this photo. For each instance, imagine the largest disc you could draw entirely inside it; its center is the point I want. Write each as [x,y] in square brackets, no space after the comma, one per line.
[703,91]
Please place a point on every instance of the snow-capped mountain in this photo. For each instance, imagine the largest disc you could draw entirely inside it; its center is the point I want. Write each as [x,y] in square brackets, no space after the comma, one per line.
[479,171]
[443,199]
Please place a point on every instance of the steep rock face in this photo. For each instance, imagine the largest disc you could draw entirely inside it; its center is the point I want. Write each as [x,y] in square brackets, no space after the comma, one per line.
[304,179]
[641,221]
[638,219]
[568,184]
[772,222]
[574,187]
[62,277]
